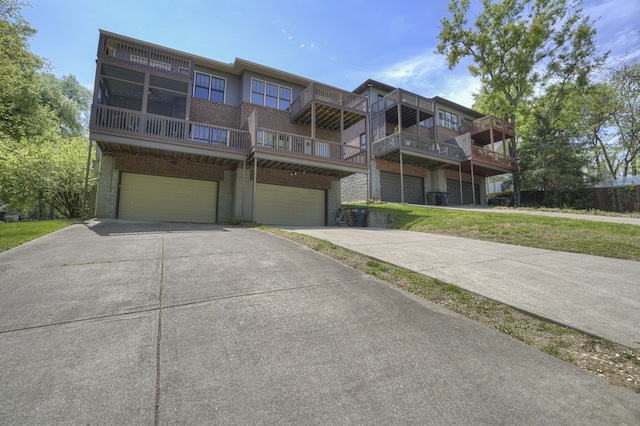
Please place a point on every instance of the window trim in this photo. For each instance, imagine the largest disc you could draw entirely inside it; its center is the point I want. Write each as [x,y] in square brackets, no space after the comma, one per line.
[279,87]
[211,77]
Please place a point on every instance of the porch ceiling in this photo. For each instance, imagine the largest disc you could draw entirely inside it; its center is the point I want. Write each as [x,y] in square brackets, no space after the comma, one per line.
[116,148]
[483,170]
[408,114]
[328,117]
[415,159]
[299,168]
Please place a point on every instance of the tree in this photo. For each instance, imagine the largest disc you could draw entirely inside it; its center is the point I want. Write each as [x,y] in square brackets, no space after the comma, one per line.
[516,47]
[42,125]
[611,113]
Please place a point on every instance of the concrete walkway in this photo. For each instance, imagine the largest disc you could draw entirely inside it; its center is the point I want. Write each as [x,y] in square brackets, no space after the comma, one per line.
[124,323]
[597,295]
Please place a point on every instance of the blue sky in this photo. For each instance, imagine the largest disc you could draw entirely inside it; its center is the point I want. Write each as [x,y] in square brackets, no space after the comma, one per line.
[341,43]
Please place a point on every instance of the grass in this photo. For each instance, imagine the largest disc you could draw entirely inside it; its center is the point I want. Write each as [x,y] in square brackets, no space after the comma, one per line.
[13,234]
[606,239]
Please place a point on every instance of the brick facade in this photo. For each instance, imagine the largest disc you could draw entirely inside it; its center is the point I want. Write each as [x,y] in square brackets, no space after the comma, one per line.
[165,167]
[214,113]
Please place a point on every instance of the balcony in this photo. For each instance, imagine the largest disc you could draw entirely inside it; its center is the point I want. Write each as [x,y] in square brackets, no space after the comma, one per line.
[489,129]
[426,151]
[493,158]
[125,124]
[404,98]
[118,49]
[317,155]
[335,109]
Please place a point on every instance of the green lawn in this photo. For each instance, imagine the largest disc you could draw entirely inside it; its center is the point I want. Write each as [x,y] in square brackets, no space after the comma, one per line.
[13,234]
[620,241]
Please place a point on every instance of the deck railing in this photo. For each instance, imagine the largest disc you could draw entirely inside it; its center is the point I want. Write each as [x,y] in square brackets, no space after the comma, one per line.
[330,96]
[493,157]
[487,122]
[417,143]
[122,50]
[128,123]
[291,144]
[405,98]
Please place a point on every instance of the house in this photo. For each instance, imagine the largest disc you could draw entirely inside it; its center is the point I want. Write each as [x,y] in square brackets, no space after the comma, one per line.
[191,139]
[430,150]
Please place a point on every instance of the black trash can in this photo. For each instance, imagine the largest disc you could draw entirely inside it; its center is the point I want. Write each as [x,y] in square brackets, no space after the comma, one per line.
[441,198]
[360,217]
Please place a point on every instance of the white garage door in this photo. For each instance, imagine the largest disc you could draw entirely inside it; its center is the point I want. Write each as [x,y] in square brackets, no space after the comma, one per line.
[159,198]
[287,205]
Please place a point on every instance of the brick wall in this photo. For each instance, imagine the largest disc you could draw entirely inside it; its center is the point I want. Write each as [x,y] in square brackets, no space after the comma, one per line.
[407,169]
[283,177]
[214,113]
[444,134]
[164,167]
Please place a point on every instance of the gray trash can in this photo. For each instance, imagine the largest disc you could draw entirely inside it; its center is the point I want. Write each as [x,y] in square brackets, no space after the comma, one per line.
[360,217]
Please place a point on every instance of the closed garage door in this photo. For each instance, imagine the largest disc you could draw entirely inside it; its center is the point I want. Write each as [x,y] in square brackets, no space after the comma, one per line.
[159,198]
[453,188]
[287,205]
[390,188]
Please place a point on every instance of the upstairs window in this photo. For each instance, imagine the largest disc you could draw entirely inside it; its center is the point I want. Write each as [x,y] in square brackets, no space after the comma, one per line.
[448,120]
[209,87]
[270,95]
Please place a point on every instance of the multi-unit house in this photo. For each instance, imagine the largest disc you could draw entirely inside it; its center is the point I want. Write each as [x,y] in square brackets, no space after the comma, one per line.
[186,138]
[430,150]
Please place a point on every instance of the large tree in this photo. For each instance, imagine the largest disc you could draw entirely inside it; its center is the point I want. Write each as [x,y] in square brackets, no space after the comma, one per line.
[611,113]
[516,48]
[43,145]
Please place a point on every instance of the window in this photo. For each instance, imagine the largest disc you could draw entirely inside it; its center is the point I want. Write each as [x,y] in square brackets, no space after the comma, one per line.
[209,87]
[270,95]
[448,120]
[219,136]
[363,140]
[200,133]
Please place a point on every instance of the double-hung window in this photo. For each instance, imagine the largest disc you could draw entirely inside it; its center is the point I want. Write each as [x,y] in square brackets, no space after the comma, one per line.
[270,95]
[209,87]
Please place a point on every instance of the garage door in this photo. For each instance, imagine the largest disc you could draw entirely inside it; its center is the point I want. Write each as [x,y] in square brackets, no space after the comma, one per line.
[159,198]
[453,188]
[287,205]
[390,188]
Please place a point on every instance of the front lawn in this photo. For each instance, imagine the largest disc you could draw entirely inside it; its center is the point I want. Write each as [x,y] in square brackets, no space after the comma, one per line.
[13,234]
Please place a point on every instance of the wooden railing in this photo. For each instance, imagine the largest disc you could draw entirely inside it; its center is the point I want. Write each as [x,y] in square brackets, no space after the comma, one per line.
[404,97]
[417,143]
[487,122]
[484,155]
[128,123]
[291,144]
[122,50]
[330,96]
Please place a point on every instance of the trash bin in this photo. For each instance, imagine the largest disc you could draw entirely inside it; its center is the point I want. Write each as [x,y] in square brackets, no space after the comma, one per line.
[360,217]
[442,198]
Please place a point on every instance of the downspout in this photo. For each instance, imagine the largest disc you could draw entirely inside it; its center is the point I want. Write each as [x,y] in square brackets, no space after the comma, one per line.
[401,179]
[460,175]
[244,171]
[86,183]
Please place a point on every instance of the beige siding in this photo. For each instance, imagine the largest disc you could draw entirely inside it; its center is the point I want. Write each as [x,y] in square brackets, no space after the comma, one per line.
[159,198]
[287,205]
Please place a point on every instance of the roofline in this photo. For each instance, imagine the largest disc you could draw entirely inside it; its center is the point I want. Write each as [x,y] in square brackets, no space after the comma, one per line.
[447,102]
[373,83]
[237,67]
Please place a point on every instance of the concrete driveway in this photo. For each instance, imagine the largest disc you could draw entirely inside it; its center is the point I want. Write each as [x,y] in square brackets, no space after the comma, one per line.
[145,323]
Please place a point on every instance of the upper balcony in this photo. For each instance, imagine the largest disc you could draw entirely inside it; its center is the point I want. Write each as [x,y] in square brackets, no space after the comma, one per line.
[118,49]
[425,151]
[403,98]
[335,109]
[489,129]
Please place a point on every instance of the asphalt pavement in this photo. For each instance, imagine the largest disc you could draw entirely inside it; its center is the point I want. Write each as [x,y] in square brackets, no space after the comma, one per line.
[149,323]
